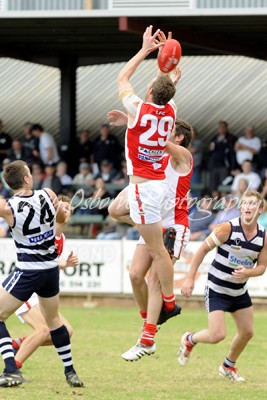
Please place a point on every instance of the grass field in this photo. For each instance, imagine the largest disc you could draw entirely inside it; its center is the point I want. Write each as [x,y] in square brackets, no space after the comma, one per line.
[102,334]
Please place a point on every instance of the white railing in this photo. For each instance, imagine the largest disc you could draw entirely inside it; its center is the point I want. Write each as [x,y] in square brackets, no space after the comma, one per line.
[133,4]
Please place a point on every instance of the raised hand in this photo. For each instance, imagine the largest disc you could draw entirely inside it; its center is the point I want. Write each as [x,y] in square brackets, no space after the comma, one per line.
[117,118]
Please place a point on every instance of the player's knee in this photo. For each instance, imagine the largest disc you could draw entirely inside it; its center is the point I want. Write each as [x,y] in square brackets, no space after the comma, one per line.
[136,277]
[44,333]
[217,337]
[70,330]
[3,316]
[248,334]
[113,211]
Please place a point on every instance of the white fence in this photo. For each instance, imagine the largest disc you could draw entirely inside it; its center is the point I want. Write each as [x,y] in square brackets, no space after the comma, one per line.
[104,268]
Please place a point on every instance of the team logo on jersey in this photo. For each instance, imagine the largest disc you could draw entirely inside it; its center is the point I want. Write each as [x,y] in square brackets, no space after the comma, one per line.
[147,158]
[150,152]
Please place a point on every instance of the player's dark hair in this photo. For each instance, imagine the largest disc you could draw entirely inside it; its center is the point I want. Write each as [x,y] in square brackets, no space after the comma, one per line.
[65,199]
[163,90]
[183,128]
[14,174]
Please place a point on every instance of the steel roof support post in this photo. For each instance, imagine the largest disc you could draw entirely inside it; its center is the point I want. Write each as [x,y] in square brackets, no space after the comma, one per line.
[68,68]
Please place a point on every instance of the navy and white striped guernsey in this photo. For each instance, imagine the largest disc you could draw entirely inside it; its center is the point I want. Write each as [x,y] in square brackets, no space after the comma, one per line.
[237,250]
[34,230]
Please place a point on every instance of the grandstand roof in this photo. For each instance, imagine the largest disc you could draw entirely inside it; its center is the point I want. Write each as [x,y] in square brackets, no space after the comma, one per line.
[99,38]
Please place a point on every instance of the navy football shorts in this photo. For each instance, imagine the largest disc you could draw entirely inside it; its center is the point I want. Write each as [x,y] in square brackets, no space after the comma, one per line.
[216,301]
[23,283]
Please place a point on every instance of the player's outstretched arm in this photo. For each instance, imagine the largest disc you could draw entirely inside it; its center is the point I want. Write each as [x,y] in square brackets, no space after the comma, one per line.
[60,213]
[71,261]
[117,118]
[216,238]
[128,70]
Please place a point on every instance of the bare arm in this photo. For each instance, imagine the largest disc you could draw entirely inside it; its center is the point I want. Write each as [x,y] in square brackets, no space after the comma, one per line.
[128,70]
[215,239]
[71,261]
[179,153]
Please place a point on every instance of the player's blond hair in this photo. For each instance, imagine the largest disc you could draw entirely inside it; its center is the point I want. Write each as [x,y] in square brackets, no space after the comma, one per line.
[254,193]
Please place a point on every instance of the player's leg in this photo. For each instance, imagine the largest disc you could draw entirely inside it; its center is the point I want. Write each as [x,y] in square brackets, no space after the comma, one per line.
[215,332]
[60,336]
[8,305]
[38,337]
[244,323]
[119,208]
[152,234]
[140,265]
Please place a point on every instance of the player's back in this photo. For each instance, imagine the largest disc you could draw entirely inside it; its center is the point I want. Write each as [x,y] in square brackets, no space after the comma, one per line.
[147,138]
[34,230]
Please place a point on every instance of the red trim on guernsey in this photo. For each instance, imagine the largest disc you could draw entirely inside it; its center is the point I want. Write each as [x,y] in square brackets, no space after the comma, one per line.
[182,243]
[140,205]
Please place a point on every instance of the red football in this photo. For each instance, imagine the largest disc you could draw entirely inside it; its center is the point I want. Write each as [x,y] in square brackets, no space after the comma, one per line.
[169,56]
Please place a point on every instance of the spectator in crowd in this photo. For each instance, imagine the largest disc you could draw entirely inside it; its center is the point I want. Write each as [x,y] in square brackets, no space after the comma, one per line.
[107,147]
[30,145]
[242,188]
[47,145]
[264,186]
[262,220]
[196,150]
[16,152]
[229,211]
[107,173]
[51,181]
[110,230]
[61,172]
[85,176]
[262,158]
[222,159]
[37,175]
[252,177]
[84,148]
[122,178]
[5,143]
[201,218]
[247,146]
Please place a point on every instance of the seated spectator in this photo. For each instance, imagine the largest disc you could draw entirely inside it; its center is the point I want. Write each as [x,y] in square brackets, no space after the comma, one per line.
[30,145]
[196,149]
[132,234]
[242,188]
[84,148]
[5,143]
[85,176]
[264,186]
[107,147]
[37,175]
[228,212]
[17,151]
[247,146]
[122,178]
[262,158]
[222,159]
[262,220]
[52,181]
[252,177]
[200,218]
[110,230]
[61,172]
[107,173]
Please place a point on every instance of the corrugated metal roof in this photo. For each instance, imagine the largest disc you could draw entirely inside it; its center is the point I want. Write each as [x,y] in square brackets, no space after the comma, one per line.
[212,88]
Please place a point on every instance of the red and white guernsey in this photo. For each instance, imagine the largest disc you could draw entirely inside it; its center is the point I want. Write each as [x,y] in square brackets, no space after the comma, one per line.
[146,139]
[175,205]
[60,241]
